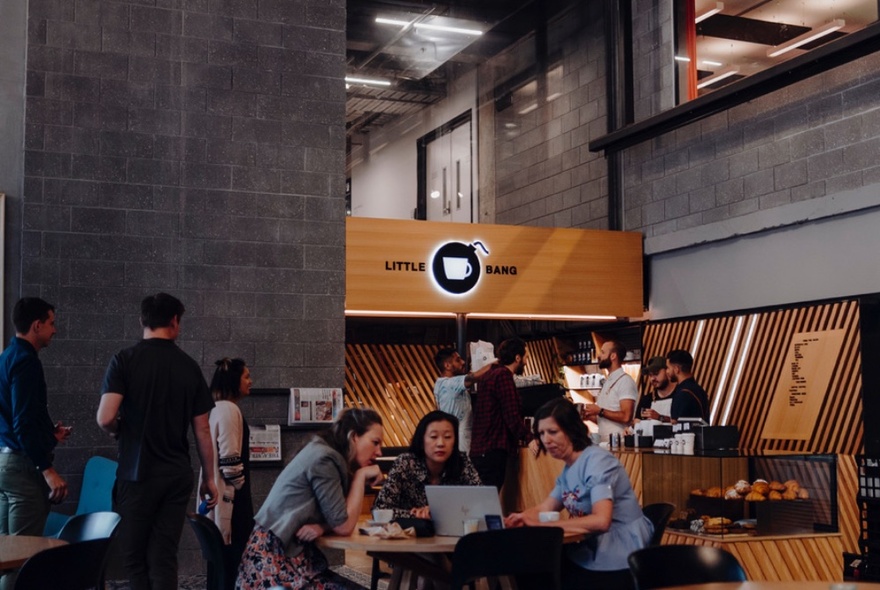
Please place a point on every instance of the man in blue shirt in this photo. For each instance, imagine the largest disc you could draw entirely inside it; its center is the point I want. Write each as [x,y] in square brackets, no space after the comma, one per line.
[452,391]
[28,481]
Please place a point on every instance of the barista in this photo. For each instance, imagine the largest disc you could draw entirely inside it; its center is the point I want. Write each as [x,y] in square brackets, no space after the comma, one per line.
[657,405]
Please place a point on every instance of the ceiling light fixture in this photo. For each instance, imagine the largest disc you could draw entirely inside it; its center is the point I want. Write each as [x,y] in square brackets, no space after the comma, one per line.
[367,81]
[807,37]
[717,77]
[716,64]
[428,26]
[719,6]
[682,58]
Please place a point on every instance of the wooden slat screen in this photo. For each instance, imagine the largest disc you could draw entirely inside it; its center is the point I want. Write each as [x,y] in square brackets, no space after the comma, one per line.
[398,381]
[738,360]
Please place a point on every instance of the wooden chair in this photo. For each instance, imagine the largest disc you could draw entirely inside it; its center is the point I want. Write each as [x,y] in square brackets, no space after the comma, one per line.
[76,566]
[681,565]
[658,514]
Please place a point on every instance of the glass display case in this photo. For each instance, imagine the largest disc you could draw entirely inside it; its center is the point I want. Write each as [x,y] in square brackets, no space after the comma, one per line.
[727,494]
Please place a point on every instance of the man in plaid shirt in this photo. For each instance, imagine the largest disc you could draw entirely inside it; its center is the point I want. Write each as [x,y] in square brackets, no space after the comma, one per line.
[498,422]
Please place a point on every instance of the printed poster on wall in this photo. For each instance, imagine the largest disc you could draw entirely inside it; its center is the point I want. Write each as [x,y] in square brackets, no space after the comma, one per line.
[314,405]
[803,385]
[265,443]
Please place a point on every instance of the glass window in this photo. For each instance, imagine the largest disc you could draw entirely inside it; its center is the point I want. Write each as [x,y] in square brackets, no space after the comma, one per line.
[720,42]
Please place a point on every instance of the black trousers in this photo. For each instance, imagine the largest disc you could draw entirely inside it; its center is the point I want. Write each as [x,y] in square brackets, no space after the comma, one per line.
[492,467]
[153,513]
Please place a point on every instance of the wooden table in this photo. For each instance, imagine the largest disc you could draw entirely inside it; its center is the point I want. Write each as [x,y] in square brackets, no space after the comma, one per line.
[407,555]
[17,549]
[758,585]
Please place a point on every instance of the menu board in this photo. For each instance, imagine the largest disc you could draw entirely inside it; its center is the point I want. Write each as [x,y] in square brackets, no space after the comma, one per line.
[803,385]
[265,443]
[314,405]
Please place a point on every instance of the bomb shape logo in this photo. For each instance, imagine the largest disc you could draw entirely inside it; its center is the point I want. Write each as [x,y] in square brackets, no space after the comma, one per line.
[456,267]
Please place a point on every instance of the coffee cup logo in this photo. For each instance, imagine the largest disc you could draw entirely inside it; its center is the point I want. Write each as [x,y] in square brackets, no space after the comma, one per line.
[456,267]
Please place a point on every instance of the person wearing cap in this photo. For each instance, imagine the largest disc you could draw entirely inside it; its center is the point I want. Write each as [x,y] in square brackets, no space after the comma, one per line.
[657,405]
[689,400]
[616,404]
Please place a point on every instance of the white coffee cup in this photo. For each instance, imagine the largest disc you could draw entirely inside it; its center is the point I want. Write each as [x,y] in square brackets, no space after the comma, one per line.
[687,439]
[456,269]
[548,516]
[471,525]
[383,515]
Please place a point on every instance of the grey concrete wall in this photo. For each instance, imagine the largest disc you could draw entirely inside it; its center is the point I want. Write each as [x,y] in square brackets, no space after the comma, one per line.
[193,147]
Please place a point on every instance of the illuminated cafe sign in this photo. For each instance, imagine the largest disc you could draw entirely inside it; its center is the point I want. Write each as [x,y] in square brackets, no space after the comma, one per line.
[410,267]
[455,267]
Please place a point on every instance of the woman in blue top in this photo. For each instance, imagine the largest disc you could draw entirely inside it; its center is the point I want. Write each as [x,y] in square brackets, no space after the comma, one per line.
[595,490]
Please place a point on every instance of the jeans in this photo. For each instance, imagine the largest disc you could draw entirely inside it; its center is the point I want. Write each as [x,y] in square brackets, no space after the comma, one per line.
[153,513]
[24,501]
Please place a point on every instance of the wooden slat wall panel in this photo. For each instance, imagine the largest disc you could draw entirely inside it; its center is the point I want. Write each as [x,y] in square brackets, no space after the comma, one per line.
[398,381]
[777,558]
[762,356]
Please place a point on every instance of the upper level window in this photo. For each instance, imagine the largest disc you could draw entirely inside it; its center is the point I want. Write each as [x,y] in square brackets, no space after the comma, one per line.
[720,42]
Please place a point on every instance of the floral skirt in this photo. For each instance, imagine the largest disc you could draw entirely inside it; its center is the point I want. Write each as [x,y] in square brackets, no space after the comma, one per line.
[264,565]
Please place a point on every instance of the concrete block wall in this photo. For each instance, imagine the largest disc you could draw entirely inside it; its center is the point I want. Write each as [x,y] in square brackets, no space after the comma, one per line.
[544,173]
[812,141]
[195,147]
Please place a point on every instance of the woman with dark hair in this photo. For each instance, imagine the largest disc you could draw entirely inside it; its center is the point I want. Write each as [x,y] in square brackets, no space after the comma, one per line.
[234,513]
[321,490]
[595,490]
[433,459]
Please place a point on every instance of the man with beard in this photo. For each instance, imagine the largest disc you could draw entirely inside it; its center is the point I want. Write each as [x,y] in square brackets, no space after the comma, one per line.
[616,403]
[498,422]
[452,391]
[657,405]
[689,400]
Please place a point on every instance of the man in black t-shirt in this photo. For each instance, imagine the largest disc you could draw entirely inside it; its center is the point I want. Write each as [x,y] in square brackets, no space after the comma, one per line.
[689,400]
[153,392]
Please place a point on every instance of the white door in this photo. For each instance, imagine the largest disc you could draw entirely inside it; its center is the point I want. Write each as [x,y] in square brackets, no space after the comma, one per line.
[448,172]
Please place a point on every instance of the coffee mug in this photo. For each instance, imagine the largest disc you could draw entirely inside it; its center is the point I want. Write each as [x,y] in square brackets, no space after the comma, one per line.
[383,515]
[471,525]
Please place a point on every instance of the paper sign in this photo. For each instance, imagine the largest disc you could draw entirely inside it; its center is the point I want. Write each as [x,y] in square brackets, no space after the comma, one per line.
[265,443]
[314,405]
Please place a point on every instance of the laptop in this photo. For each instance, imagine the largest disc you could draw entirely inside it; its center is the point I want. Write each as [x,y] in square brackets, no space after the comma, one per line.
[452,505]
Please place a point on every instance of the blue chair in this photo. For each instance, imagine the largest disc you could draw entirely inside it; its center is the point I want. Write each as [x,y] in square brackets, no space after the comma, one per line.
[96,494]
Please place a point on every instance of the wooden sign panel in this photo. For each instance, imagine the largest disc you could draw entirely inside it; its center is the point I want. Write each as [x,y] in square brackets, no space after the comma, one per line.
[803,384]
[429,267]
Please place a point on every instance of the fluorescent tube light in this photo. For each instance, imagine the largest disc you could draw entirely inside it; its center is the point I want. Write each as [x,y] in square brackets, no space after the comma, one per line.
[719,6]
[807,37]
[717,77]
[716,64]
[682,58]
[367,81]
[428,26]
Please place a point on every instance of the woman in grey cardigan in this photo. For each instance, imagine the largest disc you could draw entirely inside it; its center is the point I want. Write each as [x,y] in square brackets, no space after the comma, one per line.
[321,490]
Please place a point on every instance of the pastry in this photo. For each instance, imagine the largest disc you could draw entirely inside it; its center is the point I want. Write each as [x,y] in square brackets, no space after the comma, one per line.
[761,487]
[718,521]
[696,492]
[731,494]
[803,494]
[713,492]
[774,495]
[742,487]
[777,486]
[792,484]
[789,495]
[754,496]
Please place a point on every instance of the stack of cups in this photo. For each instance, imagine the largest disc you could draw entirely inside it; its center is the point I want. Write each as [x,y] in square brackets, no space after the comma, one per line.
[687,439]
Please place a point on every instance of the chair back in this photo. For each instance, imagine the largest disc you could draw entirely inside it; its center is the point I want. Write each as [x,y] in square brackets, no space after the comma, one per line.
[530,553]
[211,544]
[76,566]
[680,565]
[658,514]
[96,494]
[86,527]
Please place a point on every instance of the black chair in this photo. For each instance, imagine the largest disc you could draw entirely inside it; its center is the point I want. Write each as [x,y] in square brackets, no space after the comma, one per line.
[658,514]
[211,544]
[680,565]
[532,554]
[86,527]
[76,566]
